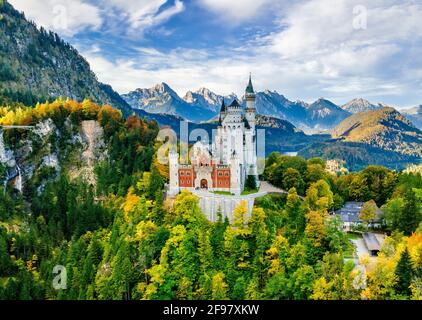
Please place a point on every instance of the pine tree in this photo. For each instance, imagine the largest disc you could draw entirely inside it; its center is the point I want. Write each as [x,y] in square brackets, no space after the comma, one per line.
[156,183]
[408,221]
[219,287]
[404,273]
[250,183]
[295,213]
[239,289]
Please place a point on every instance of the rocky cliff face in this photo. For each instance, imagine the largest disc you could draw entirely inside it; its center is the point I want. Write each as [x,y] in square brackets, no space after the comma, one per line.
[47,150]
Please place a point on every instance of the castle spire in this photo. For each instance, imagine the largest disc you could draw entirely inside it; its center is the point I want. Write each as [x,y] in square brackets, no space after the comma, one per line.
[249,88]
[223,106]
[222,110]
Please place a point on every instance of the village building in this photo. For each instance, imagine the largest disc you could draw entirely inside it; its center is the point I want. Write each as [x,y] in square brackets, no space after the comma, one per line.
[350,214]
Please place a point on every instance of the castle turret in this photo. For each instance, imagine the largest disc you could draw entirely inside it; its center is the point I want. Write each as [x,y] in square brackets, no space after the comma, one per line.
[250,112]
[236,174]
[174,173]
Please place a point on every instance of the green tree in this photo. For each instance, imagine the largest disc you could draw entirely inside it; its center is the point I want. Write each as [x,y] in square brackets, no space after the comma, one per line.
[359,189]
[219,287]
[368,212]
[293,179]
[411,216]
[404,273]
[295,214]
[319,196]
[250,183]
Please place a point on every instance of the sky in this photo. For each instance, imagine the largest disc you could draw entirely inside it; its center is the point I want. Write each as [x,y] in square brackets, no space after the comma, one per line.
[303,49]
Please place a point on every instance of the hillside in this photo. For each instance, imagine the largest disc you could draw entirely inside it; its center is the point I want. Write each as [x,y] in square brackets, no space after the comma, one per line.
[385,128]
[37,65]
[357,156]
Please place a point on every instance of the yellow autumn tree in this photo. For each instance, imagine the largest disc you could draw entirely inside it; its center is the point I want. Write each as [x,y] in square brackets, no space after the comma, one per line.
[219,287]
[240,218]
[131,201]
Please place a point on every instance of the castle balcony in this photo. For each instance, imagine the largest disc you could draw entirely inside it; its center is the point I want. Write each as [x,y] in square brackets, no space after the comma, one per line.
[185,166]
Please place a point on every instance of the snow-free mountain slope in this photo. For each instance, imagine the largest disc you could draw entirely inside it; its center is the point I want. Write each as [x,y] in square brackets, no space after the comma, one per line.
[384,128]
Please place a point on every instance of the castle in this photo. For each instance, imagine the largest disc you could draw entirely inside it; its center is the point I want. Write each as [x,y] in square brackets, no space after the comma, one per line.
[225,164]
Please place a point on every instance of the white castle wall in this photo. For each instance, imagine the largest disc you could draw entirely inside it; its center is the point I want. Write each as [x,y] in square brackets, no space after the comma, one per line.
[210,203]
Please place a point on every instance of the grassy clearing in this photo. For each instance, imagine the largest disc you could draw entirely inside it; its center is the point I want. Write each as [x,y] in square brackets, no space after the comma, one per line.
[353,236]
[223,193]
[246,192]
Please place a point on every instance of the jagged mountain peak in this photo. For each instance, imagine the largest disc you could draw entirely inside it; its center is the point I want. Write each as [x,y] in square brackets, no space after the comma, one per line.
[159,88]
[323,101]
[162,99]
[204,91]
[360,105]
[207,99]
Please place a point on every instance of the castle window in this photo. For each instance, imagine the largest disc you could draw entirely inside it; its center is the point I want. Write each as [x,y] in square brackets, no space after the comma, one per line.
[220,174]
[182,173]
[188,174]
[227,174]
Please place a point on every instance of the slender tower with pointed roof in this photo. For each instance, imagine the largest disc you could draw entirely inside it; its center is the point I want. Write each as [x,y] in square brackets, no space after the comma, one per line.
[250,112]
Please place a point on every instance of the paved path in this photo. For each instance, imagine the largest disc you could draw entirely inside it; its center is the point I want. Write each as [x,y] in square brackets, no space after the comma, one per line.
[361,251]
[269,188]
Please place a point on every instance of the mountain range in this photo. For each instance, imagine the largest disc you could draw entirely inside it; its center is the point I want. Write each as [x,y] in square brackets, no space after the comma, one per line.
[203,104]
[37,65]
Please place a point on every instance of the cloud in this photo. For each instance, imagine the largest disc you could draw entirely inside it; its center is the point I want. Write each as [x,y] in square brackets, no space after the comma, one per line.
[143,14]
[313,48]
[64,17]
[315,51]
[71,17]
[182,69]
[236,11]
[326,39]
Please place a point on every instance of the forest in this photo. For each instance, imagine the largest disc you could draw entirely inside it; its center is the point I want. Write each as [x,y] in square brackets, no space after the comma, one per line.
[120,239]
